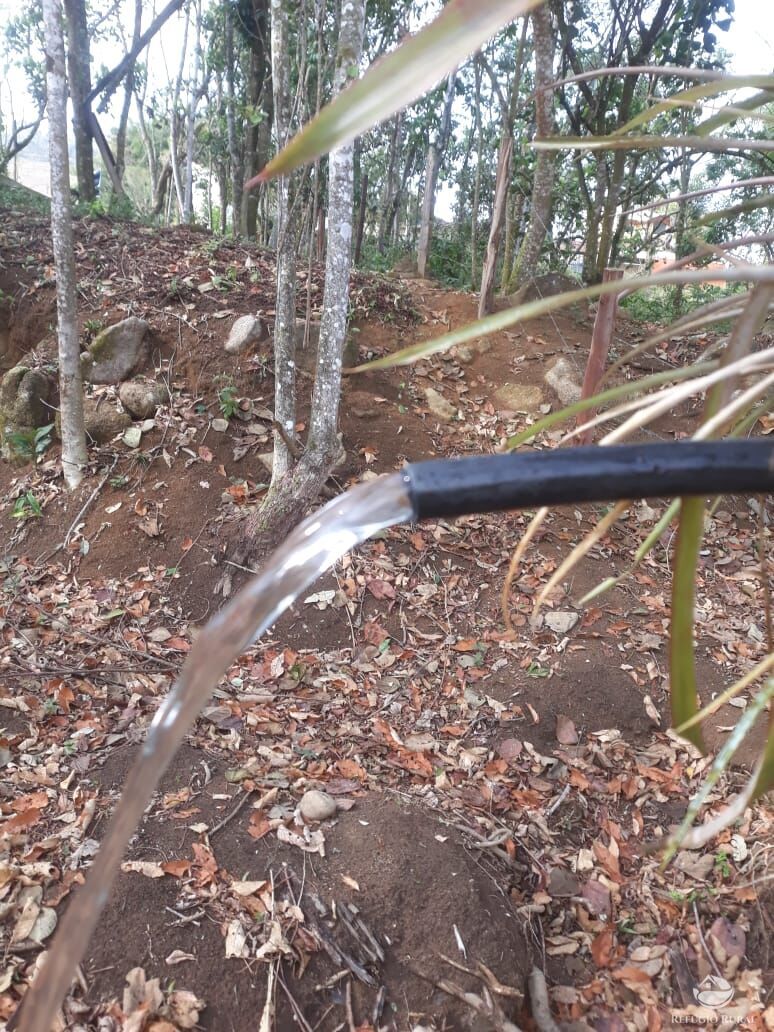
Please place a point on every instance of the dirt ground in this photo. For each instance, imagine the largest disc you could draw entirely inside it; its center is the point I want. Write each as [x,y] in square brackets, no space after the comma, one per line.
[498,792]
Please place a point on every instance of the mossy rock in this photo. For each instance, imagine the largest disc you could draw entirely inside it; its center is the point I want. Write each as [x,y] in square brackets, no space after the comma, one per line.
[117,352]
[25,396]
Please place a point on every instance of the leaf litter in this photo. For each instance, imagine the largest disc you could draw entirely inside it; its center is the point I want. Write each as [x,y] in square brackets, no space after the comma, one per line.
[435,732]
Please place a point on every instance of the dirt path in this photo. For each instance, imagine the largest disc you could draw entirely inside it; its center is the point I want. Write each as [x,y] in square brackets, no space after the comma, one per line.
[496,794]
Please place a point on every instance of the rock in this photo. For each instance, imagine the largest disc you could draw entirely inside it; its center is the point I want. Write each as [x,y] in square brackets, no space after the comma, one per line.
[141,399]
[220,425]
[316,806]
[439,406]
[561,623]
[464,354]
[563,378]
[24,394]
[102,421]
[132,437]
[117,352]
[246,331]
[518,397]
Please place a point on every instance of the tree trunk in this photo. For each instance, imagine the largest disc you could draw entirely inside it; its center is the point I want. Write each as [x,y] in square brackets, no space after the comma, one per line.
[74,456]
[79,67]
[237,171]
[477,179]
[123,120]
[174,121]
[498,217]
[361,218]
[389,183]
[287,239]
[193,96]
[434,155]
[290,496]
[501,209]
[526,264]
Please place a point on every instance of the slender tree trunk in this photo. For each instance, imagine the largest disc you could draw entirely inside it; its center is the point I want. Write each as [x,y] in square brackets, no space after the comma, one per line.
[289,497]
[477,178]
[79,66]
[287,238]
[162,187]
[74,456]
[174,120]
[502,208]
[389,183]
[486,295]
[237,171]
[434,155]
[361,218]
[526,264]
[123,120]
[193,96]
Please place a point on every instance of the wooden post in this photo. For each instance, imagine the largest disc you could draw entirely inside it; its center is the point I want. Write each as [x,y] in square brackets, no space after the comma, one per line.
[604,324]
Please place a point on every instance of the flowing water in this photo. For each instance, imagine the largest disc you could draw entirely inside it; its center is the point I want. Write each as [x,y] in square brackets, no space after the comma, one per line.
[311,549]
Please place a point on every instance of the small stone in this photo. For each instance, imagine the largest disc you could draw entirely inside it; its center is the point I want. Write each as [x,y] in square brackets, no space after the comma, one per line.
[141,399]
[220,425]
[561,623]
[316,806]
[464,354]
[439,406]
[562,882]
[132,437]
[518,397]
[246,331]
[563,378]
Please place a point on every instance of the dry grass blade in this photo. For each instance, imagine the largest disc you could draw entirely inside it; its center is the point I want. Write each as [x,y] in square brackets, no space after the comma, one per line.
[513,566]
[701,144]
[738,686]
[594,535]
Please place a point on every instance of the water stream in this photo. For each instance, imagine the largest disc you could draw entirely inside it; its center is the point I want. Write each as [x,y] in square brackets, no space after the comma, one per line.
[310,550]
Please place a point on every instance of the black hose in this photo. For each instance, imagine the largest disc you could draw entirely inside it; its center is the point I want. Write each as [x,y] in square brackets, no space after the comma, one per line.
[526,480]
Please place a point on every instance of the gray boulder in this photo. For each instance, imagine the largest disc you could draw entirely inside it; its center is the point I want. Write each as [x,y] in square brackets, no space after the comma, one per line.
[563,377]
[246,331]
[24,394]
[117,352]
[141,399]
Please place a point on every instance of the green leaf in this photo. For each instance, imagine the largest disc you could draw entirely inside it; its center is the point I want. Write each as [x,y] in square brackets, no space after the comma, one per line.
[704,144]
[396,81]
[739,110]
[693,93]
[681,651]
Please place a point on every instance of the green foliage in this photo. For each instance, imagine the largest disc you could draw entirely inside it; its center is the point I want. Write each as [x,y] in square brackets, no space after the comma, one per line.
[657,305]
[26,507]
[228,402]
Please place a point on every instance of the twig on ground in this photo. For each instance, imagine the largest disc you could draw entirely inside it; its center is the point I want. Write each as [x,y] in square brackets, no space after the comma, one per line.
[230,816]
[541,1009]
[48,555]
[348,1005]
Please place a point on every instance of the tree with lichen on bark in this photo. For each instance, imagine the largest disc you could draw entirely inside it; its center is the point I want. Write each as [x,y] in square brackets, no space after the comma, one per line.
[295,486]
[70,381]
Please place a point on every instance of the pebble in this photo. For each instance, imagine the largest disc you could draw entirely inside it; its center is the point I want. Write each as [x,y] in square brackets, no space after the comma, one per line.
[316,806]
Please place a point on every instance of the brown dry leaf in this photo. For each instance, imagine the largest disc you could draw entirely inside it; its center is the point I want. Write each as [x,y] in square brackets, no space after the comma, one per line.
[184,1008]
[177,868]
[566,733]
[380,588]
[178,957]
[602,948]
[205,454]
[597,896]
[144,867]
